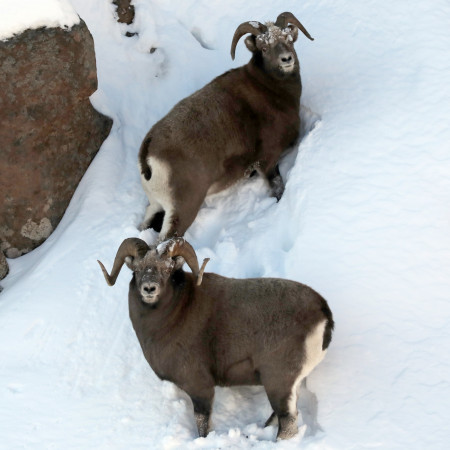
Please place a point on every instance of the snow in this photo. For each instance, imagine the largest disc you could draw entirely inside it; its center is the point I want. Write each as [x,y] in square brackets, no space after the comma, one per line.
[167,246]
[274,34]
[20,15]
[364,220]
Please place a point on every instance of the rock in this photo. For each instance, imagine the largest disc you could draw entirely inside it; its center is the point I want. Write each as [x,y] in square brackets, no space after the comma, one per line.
[50,132]
[3,267]
[125,11]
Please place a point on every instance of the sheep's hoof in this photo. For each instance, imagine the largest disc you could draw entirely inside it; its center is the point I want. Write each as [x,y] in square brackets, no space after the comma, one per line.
[277,186]
[287,427]
[202,422]
[287,434]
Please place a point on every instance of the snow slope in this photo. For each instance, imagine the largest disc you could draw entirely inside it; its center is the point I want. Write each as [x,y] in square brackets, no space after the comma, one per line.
[364,220]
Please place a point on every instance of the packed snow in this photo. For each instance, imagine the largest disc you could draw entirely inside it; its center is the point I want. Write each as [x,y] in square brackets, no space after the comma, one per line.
[364,220]
[19,15]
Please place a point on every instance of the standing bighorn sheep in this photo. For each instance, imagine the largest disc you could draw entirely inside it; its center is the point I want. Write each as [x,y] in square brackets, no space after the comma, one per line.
[239,123]
[203,330]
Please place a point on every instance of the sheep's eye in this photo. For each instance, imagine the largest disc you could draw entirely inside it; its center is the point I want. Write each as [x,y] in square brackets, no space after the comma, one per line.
[264,49]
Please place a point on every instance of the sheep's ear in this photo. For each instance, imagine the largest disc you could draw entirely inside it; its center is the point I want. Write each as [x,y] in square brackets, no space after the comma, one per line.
[129,261]
[178,262]
[294,32]
[250,43]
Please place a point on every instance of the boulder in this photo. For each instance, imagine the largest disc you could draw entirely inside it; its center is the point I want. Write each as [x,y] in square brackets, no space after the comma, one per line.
[49,130]
[3,267]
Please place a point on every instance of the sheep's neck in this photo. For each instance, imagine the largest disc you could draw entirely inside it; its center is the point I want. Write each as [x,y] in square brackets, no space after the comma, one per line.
[155,323]
[290,87]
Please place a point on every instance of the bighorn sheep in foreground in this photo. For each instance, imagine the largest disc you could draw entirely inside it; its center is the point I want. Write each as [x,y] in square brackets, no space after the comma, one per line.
[204,330]
[238,124]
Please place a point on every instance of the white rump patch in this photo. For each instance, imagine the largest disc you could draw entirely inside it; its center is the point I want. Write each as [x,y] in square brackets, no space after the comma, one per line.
[313,356]
[157,188]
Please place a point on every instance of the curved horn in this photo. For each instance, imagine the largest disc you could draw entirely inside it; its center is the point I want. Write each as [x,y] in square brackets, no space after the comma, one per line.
[135,247]
[180,247]
[255,28]
[286,18]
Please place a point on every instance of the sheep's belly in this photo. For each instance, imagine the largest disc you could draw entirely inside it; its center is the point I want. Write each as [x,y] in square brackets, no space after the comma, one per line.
[240,373]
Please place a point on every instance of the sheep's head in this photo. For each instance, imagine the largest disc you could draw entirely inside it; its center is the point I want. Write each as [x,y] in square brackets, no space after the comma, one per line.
[272,43]
[153,266]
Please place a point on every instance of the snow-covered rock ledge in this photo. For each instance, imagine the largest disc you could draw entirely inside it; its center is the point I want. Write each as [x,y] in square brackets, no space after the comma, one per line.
[20,15]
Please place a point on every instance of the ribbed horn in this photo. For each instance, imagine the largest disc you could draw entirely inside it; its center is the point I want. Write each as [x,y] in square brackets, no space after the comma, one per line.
[135,247]
[180,247]
[286,18]
[253,27]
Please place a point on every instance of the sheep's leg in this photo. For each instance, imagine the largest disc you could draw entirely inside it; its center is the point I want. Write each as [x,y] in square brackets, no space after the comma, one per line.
[183,213]
[287,416]
[170,227]
[202,413]
[284,403]
[276,182]
[272,177]
[176,223]
[272,420]
[199,385]
[152,210]
[287,427]
[202,397]
[308,405]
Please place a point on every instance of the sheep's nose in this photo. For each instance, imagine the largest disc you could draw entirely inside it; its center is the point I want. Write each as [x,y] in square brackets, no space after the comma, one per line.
[286,58]
[149,289]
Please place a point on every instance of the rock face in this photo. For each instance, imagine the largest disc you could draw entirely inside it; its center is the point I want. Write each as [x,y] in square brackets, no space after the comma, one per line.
[49,130]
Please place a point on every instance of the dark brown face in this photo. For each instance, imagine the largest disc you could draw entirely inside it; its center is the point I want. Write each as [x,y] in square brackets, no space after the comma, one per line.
[151,275]
[276,47]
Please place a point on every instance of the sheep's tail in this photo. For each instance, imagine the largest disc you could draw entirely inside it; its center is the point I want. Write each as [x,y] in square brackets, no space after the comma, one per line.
[146,170]
[329,327]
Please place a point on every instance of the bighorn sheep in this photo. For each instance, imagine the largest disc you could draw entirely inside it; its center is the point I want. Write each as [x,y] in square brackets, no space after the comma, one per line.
[238,124]
[204,330]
